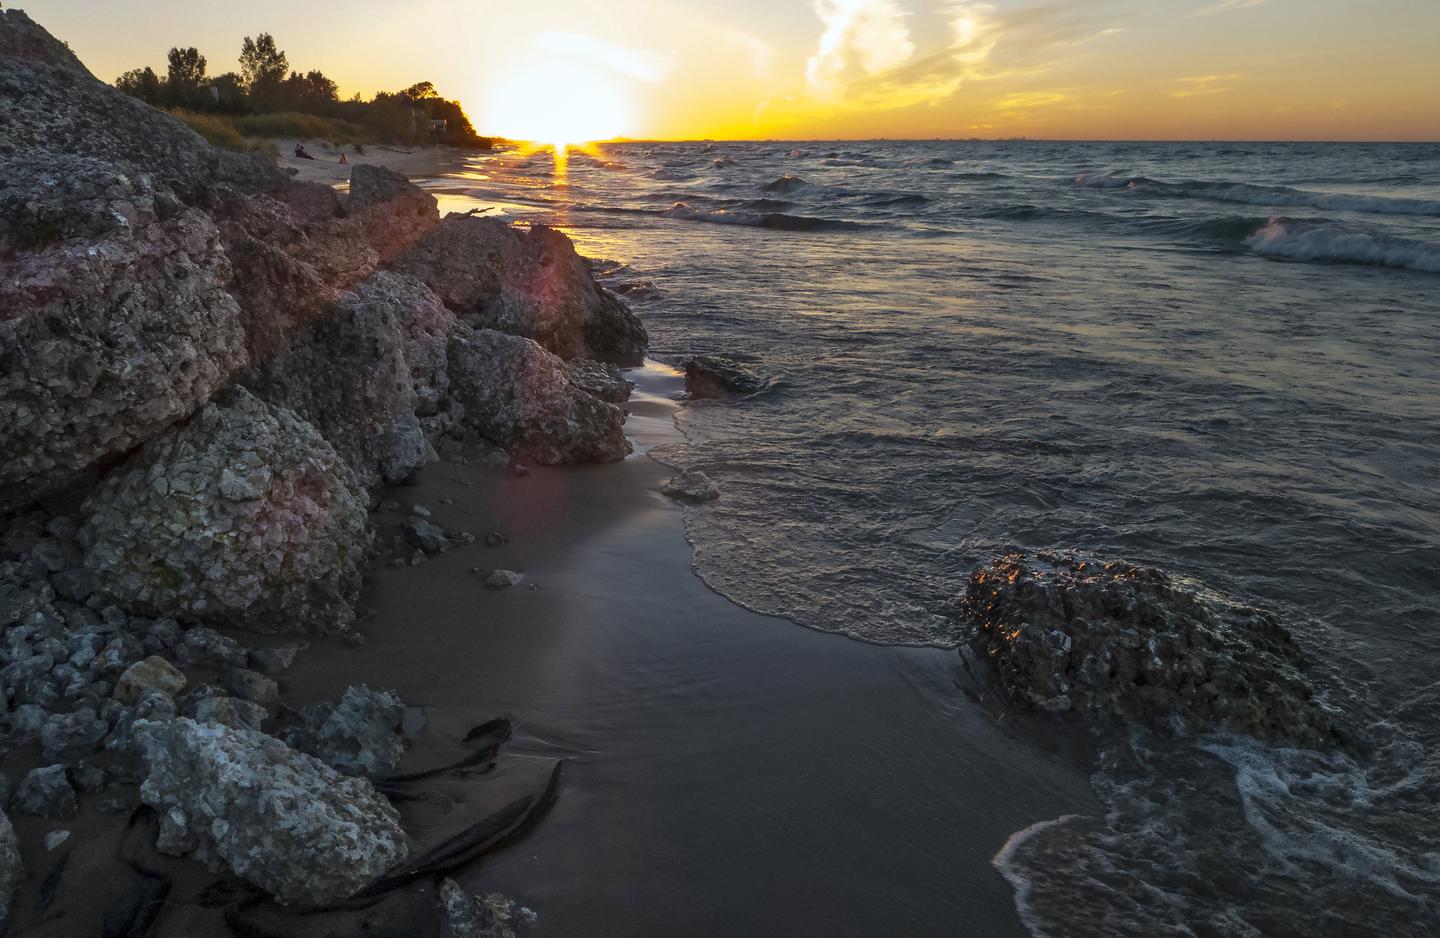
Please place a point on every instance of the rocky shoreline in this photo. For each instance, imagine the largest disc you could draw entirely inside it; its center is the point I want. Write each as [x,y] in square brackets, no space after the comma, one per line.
[209,376]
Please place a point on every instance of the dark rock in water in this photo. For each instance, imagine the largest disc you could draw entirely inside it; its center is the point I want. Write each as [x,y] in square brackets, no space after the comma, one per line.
[496,539]
[715,376]
[243,516]
[529,284]
[243,801]
[46,792]
[1121,642]
[359,734]
[692,487]
[433,539]
[599,380]
[519,396]
[503,579]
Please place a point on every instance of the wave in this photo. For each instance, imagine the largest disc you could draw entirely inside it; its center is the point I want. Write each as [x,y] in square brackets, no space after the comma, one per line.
[1249,194]
[893,200]
[786,183]
[1284,238]
[777,220]
[980,176]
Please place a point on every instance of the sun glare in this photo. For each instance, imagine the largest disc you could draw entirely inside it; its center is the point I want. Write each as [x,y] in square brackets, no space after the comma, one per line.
[557,104]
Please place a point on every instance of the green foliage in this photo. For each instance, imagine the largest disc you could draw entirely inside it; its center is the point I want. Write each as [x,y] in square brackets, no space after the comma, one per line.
[266,99]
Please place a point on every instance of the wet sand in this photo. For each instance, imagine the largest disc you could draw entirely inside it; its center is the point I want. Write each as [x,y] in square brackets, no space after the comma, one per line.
[727,773]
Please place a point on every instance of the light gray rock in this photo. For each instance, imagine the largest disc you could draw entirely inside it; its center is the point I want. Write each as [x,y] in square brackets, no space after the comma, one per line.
[359,734]
[503,579]
[518,396]
[1118,642]
[531,284]
[692,487]
[153,674]
[283,820]
[243,516]
[598,379]
[46,792]
[12,868]
[55,839]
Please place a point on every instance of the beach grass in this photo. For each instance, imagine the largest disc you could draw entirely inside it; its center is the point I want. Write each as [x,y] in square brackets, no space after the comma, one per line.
[254,131]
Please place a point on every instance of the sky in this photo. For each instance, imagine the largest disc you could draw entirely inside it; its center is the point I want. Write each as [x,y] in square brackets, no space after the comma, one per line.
[811,69]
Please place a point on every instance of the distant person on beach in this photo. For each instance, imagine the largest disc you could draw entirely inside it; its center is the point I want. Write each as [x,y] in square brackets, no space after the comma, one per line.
[300,152]
[344,161]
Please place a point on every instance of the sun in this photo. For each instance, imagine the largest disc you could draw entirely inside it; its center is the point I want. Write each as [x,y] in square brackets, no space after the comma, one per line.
[558,104]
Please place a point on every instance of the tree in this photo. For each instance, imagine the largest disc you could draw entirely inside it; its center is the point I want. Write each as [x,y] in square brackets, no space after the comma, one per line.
[185,81]
[141,83]
[312,92]
[229,93]
[262,67]
[420,91]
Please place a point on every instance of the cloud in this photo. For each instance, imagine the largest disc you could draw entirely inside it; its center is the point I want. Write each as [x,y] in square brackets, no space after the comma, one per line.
[1197,85]
[1226,6]
[861,37]
[632,63]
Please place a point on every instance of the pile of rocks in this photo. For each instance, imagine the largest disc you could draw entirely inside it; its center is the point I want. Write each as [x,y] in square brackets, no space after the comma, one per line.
[208,373]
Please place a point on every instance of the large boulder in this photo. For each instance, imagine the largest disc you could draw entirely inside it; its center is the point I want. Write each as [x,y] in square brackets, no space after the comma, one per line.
[1122,643]
[346,374]
[519,396]
[243,516]
[52,103]
[109,336]
[393,211]
[530,284]
[237,799]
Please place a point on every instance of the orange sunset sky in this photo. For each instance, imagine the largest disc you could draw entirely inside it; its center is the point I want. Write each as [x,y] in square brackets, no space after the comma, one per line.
[1077,69]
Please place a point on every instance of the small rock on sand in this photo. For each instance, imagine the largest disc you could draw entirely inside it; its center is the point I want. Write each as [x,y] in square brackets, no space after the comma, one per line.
[691,487]
[503,579]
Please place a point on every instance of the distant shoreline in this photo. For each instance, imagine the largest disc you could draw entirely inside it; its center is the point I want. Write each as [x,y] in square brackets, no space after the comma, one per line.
[433,160]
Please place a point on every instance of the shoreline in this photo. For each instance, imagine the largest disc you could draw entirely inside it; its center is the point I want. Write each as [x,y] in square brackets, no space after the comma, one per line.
[434,160]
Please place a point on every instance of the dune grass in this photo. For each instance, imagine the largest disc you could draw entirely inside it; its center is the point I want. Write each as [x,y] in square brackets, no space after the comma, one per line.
[252,131]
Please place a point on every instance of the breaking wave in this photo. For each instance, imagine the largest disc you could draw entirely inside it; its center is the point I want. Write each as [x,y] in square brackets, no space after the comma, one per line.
[1248,194]
[1284,238]
[778,220]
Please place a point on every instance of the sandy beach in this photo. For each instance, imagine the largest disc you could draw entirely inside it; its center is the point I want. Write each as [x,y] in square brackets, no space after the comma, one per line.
[327,168]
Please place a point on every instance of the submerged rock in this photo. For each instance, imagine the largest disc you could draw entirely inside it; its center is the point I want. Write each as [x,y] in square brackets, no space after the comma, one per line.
[359,734]
[530,284]
[692,487]
[518,395]
[285,821]
[431,538]
[503,579]
[715,376]
[243,516]
[1121,642]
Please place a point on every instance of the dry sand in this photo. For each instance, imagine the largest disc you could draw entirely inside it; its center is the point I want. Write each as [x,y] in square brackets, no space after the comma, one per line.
[327,168]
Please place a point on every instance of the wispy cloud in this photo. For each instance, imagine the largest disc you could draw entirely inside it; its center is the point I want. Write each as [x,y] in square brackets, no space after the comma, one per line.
[632,63]
[861,38]
[1197,85]
[1226,6]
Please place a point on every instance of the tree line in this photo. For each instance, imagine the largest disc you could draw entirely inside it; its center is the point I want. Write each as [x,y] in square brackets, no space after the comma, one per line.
[265,84]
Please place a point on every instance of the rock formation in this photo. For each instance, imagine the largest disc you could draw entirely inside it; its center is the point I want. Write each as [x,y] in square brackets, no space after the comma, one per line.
[528,284]
[1124,643]
[359,734]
